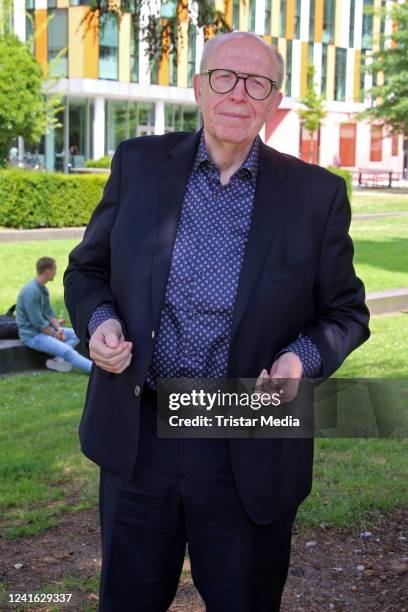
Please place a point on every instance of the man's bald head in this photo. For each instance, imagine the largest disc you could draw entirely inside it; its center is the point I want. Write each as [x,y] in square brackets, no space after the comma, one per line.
[221,39]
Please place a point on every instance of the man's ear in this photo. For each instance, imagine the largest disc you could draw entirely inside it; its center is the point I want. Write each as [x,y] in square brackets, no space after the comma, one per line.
[274,105]
[196,86]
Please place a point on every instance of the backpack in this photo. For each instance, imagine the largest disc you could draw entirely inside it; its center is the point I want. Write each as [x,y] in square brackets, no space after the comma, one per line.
[8,325]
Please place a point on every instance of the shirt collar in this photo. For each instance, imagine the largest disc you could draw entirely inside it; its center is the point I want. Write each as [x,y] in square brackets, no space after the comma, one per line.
[251,163]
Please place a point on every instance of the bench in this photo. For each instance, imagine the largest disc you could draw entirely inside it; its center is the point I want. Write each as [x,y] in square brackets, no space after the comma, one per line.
[377,176]
[16,357]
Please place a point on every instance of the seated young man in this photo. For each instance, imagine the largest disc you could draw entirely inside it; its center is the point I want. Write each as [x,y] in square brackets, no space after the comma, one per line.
[39,328]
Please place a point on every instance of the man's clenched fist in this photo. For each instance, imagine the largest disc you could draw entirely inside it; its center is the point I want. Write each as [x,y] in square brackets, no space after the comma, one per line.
[108,347]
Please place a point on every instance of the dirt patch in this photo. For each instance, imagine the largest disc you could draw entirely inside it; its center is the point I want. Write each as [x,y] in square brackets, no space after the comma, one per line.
[331,569]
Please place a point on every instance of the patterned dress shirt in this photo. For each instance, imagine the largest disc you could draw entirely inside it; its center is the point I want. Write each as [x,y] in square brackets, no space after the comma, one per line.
[195,324]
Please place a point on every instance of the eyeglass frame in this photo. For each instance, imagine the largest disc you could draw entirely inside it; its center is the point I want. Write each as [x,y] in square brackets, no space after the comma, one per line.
[240,75]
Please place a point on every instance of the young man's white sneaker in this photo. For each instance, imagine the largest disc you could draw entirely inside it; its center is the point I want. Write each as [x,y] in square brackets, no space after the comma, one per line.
[58,364]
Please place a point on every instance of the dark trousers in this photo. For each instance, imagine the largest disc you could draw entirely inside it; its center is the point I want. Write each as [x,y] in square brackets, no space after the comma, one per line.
[183,491]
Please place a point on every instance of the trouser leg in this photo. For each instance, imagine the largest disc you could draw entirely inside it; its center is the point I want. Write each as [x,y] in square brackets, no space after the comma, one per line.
[143,533]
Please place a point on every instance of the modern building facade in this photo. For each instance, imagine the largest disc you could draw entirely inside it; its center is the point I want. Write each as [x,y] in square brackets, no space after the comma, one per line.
[111,91]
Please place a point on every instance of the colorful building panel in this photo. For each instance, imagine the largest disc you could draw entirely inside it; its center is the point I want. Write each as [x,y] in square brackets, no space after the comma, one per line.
[112,91]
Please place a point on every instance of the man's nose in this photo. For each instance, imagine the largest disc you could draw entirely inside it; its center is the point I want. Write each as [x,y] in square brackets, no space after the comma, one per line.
[239,91]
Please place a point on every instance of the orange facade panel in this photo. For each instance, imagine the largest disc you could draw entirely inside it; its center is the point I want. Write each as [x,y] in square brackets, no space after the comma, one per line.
[303,69]
[357,70]
[290,19]
[40,39]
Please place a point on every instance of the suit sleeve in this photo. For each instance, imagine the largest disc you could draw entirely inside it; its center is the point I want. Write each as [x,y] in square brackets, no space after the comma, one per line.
[342,318]
[87,277]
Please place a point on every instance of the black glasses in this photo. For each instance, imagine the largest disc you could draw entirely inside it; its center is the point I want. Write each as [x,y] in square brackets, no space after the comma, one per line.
[257,87]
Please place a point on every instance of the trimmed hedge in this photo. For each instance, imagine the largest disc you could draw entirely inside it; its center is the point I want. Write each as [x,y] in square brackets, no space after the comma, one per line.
[47,199]
[103,162]
[346,174]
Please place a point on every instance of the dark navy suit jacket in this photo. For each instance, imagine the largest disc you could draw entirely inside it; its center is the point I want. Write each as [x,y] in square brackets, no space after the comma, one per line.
[297,276]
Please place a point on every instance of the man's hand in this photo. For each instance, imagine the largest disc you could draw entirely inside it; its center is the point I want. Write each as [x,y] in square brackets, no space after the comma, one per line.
[59,334]
[283,378]
[108,347]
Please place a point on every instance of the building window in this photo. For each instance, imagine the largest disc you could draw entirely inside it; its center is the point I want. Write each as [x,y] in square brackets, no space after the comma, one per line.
[394,145]
[283,18]
[367,28]
[347,145]
[312,20]
[51,4]
[168,9]
[340,74]
[328,21]
[108,47]
[268,17]
[251,16]
[352,20]
[154,71]
[57,33]
[376,143]
[297,18]
[79,2]
[125,119]
[288,80]
[29,23]
[192,43]
[178,117]
[324,70]
[235,15]
[134,52]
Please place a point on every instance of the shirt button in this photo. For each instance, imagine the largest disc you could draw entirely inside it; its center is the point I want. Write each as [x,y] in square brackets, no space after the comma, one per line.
[137,390]
[152,333]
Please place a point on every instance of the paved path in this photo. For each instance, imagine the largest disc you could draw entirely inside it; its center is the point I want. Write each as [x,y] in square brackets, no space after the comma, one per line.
[57,233]
[62,233]
[380,215]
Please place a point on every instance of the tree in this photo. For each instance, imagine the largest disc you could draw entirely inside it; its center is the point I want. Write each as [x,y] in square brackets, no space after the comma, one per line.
[162,34]
[314,111]
[23,108]
[390,93]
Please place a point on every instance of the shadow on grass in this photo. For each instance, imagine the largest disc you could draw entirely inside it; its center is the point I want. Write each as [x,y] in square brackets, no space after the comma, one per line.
[390,255]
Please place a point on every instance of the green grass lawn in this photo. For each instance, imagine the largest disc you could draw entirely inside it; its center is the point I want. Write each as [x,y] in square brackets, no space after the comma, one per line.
[375,201]
[43,473]
[381,260]
[381,252]
[17,267]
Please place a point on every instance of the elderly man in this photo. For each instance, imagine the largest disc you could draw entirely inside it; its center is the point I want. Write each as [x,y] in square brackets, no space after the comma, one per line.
[210,255]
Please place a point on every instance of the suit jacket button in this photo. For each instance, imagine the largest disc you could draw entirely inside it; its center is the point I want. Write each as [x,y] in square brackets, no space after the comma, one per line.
[137,390]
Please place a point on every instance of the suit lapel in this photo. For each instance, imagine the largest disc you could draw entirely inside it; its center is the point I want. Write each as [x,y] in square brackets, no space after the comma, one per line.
[173,181]
[270,197]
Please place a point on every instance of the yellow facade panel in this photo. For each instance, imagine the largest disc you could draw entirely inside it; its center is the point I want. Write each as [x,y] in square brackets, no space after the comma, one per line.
[290,19]
[182,55]
[331,59]
[318,31]
[164,65]
[303,68]
[357,69]
[376,25]
[228,12]
[275,21]
[244,15]
[62,3]
[124,48]
[75,42]
[91,51]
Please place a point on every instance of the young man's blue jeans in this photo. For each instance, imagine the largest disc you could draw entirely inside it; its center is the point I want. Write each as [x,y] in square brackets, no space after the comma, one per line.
[61,348]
